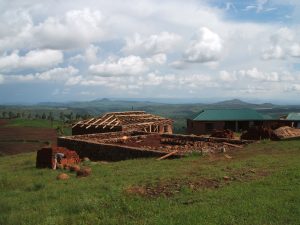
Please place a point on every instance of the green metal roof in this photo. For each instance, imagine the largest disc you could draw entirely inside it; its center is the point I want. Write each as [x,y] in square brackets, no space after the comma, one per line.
[293,116]
[230,115]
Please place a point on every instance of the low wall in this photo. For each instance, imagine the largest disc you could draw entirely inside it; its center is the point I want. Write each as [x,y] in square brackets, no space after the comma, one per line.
[107,152]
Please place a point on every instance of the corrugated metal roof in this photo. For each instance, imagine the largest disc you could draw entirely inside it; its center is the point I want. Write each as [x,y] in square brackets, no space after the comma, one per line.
[230,115]
[293,116]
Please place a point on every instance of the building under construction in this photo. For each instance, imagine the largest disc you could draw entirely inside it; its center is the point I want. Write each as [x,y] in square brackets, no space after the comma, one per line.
[124,121]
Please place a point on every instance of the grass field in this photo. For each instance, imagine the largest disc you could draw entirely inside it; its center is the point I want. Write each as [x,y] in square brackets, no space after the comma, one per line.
[259,185]
[39,123]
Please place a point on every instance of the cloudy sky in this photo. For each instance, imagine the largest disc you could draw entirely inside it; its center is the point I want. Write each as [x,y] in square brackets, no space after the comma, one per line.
[82,50]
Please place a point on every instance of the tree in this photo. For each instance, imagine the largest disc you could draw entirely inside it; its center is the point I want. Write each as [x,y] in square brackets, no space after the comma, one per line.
[4,114]
[62,116]
[77,116]
[29,116]
[10,115]
[50,116]
[44,116]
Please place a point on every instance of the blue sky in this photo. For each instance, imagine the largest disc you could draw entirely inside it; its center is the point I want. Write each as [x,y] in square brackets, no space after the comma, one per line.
[210,49]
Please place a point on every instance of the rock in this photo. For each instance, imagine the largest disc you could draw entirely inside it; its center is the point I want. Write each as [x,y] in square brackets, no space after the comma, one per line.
[86,159]
[84,172]
[252,171]
[227,156]
[226,178]
[74,168]
[62,176]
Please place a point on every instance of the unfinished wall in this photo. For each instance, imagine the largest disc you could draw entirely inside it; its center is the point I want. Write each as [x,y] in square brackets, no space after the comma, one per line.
[98,151]
[199,127]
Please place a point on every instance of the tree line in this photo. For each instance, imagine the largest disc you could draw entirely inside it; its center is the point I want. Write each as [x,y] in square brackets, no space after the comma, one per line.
[62,116]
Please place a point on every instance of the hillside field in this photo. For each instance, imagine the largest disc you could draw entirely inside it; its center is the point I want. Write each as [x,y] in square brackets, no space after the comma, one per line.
[260,184]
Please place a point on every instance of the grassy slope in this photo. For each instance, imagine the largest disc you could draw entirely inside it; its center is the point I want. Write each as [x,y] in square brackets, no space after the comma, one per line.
[19,122]
[34,196]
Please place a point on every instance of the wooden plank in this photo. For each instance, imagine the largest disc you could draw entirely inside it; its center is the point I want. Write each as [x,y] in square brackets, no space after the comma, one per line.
[105,120]
[76,124]
[232,145]
[87,122]
[114,125]
[110,122]
[167,155]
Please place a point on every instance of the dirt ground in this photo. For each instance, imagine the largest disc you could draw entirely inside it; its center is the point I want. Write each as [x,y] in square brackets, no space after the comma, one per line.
[14,140]
[169,188]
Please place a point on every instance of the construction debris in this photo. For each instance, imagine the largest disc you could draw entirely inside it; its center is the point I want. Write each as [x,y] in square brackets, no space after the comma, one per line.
[45,157]
[286,132]
[222,134]
[167,155]
[232,145]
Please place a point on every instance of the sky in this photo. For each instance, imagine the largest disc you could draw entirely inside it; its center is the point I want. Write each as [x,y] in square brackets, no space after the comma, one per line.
[207,49]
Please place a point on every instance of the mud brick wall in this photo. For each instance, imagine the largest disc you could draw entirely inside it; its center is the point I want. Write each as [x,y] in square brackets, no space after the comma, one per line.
[107,152]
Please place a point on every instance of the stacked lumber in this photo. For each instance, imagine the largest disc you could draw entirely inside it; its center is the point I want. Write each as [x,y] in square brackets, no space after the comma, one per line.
[45,157]
[286,133]
[223,134]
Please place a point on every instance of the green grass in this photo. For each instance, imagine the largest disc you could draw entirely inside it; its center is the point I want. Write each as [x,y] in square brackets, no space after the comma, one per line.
[33,196]
[20,122]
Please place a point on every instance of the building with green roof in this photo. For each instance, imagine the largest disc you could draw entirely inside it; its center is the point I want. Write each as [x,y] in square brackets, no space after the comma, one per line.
[294,118]
[234,119]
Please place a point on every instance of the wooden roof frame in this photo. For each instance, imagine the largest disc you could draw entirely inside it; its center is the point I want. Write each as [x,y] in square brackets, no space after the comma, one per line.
[126,119]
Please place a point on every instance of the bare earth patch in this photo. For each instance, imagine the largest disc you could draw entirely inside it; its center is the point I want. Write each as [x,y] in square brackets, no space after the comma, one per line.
[15,140]
[170,188]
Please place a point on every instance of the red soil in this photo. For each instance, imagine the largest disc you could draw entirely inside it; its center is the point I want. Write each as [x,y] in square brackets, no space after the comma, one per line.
[14,140]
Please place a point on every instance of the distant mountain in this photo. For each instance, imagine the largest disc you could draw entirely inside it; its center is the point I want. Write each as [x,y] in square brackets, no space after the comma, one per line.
[237,103]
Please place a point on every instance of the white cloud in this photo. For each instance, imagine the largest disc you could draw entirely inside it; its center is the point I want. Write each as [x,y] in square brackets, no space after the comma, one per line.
[294,87]
[180,65]
[228,77]
[35,59]
[1,79]
[158,43]
[295,50]
[127,66]
[205,47]
[73,80]
[75,29]
[78,28]
[255,74]
[273,52]
[158,59]
[55,74]
[91,53]
[130,65]
[283,43]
